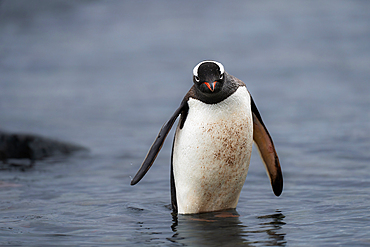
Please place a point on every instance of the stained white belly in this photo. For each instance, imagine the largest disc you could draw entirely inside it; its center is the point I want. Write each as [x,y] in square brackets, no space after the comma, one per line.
[212,153]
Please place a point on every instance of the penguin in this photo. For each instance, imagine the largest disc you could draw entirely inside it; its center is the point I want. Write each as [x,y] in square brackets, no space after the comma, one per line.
[219,122]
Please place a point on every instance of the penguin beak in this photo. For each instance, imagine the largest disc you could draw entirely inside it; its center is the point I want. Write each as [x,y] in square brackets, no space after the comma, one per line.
[211,86]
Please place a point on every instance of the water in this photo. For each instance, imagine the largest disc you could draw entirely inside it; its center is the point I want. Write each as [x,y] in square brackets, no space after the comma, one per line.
[107,75]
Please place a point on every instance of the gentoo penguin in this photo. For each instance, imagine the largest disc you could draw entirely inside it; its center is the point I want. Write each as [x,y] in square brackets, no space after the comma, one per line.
[213,143]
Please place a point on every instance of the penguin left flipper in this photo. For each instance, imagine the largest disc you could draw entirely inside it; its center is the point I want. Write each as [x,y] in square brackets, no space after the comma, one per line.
[267,151]
[157,144]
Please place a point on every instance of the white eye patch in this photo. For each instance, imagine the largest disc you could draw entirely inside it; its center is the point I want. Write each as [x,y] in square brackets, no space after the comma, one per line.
[195,70]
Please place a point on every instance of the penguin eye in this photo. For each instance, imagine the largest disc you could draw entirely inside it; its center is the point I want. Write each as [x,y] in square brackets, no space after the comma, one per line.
[196,78]
[221,76]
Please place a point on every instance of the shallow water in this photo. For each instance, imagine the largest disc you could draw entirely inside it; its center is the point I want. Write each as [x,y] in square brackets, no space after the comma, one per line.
[107,75]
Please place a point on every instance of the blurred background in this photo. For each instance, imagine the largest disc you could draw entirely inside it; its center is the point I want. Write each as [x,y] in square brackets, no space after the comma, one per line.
[107,75]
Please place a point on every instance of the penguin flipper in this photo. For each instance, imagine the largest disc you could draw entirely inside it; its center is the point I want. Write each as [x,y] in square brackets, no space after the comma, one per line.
[157,145]
[267,151]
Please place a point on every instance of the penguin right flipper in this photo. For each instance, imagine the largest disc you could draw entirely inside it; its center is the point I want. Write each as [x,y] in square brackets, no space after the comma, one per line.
[158,143]
[267,151]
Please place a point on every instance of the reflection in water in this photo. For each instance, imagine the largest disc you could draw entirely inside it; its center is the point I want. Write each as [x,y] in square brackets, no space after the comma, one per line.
[213,229]
[224,228]
[273,226]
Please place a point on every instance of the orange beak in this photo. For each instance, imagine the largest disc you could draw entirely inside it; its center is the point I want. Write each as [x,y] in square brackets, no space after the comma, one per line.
[211,86]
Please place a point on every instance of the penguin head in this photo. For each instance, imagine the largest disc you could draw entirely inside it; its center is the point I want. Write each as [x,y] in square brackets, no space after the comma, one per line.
[209,77]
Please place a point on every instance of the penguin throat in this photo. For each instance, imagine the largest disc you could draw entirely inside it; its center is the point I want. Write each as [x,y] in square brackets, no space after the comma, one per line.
[216,97]
[212,98]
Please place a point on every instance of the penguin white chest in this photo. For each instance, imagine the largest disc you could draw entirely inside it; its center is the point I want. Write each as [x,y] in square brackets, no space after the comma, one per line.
[212,152]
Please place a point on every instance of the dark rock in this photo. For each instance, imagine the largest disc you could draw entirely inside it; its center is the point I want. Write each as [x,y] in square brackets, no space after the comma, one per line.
[32,147]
